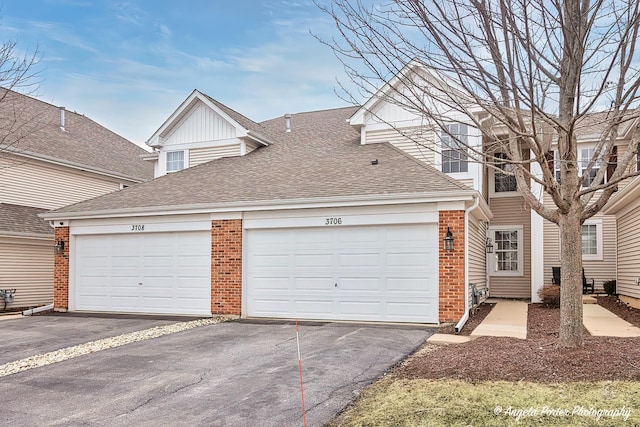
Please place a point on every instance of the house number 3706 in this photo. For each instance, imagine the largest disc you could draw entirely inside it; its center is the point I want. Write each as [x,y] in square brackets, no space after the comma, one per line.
[333,221]
[137,227]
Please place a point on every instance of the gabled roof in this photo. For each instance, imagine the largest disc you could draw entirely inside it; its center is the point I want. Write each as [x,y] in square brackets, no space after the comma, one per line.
[320,159]
[23,221]
[245,127]
[30,127]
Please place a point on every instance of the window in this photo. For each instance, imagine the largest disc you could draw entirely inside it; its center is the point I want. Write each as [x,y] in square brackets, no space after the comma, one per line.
[503,182]
[556,164]
[454,150]
[585,156]
[175,161]
[508,253]
[592,240]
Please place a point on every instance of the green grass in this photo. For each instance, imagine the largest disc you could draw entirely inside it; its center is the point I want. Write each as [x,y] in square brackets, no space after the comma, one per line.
[397,402]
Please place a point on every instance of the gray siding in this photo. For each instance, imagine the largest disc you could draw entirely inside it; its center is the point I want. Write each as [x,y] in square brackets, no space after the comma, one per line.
[629,253]
[512,211]
[477,255]
[202,155]
[27,265]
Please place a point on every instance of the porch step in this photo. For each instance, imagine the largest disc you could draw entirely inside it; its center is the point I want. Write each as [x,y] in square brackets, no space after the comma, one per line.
[448,339]
[587,299]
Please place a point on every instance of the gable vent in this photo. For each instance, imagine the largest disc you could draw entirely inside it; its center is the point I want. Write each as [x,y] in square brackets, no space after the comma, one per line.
[62,109]
[287,122]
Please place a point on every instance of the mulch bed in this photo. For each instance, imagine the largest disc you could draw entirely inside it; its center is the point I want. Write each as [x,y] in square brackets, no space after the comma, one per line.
[476,316]
[538,358]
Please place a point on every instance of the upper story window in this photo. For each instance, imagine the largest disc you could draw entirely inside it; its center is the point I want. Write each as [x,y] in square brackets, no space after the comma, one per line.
[175,161]
[585,157]
[454,148]
[504,181]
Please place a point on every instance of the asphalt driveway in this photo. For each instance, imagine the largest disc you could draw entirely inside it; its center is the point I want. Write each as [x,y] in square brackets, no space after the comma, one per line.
[229,374]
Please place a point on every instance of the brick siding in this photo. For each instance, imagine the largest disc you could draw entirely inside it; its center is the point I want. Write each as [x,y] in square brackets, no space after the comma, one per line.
[61,271]
[451,290]
[226,267]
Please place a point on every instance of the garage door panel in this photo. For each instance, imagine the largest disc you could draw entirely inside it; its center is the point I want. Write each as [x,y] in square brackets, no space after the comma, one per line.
[172,267]
[373,266]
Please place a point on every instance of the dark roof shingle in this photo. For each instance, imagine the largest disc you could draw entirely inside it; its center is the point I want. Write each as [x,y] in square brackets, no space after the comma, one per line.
[320,158]
[16,219]
[32,127]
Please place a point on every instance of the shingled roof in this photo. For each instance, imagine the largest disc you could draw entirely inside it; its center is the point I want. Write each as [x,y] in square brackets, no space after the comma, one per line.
[321,158]
[32,127]
[23,220]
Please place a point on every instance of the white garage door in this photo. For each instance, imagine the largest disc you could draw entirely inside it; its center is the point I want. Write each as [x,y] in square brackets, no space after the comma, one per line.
[372,273]
[166,273]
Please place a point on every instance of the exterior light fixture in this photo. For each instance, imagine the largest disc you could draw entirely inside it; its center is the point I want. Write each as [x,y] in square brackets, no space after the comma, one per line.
[58,248]
[489,245]
[448,240]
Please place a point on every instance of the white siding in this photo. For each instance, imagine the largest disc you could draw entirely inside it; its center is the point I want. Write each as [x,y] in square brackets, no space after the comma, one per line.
[201,155]
[629,253]
[513,211]
[27,265]
[38,184]
[477,255]
[200,124]
[418,142]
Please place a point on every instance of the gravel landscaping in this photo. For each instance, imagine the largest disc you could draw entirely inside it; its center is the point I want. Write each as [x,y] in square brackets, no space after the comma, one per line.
[538,358]
[67,353]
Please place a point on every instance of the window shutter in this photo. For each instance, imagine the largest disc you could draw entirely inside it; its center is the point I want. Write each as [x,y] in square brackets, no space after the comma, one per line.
[612,163]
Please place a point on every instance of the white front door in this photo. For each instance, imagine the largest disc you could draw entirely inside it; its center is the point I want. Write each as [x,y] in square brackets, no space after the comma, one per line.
[160,273]
[369,273]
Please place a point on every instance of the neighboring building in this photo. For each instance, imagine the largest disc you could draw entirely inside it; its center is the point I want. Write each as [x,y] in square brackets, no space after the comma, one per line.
[625,205]
[49,158]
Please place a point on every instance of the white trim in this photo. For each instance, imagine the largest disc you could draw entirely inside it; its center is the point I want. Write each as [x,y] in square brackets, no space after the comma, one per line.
[537,243]
[344,220]
[599,255]
[492,259]
[368,200]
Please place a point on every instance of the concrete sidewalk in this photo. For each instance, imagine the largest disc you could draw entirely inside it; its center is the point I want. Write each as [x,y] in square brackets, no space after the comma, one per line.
[600,322]
[507,319]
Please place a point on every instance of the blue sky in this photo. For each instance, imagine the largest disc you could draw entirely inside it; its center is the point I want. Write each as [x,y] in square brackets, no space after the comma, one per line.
[129,64]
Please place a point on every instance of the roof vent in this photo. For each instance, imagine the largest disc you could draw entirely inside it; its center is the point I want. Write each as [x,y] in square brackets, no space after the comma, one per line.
[287,122]
[374,161]
[62,118]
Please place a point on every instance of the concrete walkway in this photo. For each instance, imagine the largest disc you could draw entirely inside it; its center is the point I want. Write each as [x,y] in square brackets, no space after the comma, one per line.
[600,322]
[507,319]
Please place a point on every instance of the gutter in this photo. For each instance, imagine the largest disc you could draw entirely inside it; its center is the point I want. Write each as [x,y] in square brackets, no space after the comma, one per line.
[257,205]
[37,310]
[465,316]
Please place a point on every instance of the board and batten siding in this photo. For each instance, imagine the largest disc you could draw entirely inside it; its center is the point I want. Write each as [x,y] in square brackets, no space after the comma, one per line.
[418,142]
[629,253]
[599,270]
[198,156]
[512,211]
[477,255]
[33,183]
[201,123]
[27,266]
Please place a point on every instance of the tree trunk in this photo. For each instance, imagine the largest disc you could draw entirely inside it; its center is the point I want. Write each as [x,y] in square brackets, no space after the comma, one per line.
[571,280]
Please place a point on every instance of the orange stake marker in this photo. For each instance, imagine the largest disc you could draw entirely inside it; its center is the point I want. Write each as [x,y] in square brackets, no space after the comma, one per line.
[304,413]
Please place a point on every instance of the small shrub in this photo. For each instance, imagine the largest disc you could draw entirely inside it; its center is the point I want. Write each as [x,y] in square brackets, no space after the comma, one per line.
[610,287]
[550,296]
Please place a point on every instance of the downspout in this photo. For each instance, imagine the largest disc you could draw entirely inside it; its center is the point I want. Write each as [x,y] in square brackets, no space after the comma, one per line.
[31,311]
[467,211]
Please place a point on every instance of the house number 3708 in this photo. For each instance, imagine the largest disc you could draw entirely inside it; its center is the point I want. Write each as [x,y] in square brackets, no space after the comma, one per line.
[137,227]
[333,221]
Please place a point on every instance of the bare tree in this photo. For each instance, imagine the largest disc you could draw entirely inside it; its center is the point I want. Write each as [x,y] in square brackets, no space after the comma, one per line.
[526,73]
